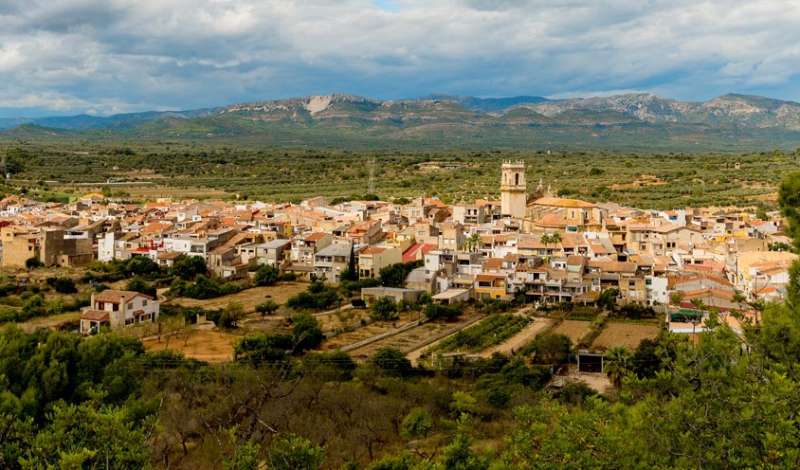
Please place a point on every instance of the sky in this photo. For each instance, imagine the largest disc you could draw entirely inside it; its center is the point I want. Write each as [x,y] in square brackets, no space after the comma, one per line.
[113,56]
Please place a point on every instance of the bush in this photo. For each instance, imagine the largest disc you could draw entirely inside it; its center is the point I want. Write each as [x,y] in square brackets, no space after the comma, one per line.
[266,275]
[262,348]
[62,285]
[137,284]
[418,423]
[189,267]
[33,263]
[203,288]
[335,366]
[318,296]
[384,309]
[393,362]
[306,332]
[550,349]
[292,452]
[267,308]
[442,312]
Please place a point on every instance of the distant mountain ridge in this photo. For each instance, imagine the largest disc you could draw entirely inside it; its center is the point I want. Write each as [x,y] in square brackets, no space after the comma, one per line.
[470,121]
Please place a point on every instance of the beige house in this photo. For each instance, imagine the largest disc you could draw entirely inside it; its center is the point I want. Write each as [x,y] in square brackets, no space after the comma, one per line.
[374,258]
[117,309]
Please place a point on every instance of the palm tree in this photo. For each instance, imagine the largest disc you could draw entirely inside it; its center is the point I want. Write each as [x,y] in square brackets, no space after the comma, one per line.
[546,239]
[473,241]
[617,364]
[555,238]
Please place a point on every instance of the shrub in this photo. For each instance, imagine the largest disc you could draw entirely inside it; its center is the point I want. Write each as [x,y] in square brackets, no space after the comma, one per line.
[318,296]
[137,284]
[292,452]
[263,348]
[306,332]
[189,267]
[384,309]
[442,312]
[550,349]
[330,366]
[393,362]
[418,423]
[267,308]
[33,263]
[62,285]
[266,275]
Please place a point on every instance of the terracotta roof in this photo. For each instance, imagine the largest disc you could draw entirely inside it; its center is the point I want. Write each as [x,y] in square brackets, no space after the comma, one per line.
[563,202]
[118,296]
[94,315]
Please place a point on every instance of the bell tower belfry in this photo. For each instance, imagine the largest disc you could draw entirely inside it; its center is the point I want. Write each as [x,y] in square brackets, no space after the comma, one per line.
[513,190]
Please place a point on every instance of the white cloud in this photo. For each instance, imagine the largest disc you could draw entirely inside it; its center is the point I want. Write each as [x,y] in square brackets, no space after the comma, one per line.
[106,55]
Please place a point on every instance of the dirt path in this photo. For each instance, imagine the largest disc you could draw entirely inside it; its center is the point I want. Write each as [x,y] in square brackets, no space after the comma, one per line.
[520,339]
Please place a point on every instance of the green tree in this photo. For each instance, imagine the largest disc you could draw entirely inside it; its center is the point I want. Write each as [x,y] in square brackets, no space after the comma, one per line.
[292,452]
[306,332]
[417,424]
[267,275]
[617,364]
[391,361]
[384,309]
[189,267]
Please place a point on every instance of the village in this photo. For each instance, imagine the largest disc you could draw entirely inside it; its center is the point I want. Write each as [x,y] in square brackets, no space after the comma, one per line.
[440,283]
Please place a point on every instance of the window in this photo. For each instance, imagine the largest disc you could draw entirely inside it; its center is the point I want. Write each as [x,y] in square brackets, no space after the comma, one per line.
[114,307]
[130,305]
[144,302]
[516,179]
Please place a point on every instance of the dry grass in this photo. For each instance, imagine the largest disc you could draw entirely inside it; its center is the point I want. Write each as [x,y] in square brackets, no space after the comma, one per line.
[573,329]
[52,321]
[249,298]
[203,345]
[628,335]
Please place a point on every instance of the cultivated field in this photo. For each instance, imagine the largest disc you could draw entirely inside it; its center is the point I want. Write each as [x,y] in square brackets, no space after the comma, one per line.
[628,335]
[201,344]
[573,329]
[519,340]
[249,298]
[407,341]
[368,331]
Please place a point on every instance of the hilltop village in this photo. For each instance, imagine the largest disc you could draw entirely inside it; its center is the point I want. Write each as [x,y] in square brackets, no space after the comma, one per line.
[529,248]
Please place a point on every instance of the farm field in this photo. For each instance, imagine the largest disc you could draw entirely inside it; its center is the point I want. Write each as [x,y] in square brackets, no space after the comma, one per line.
[488,332]
[573,329]
[519,340]
[407,341]
[628,335]
[201,344]
[249,298]
[368,331]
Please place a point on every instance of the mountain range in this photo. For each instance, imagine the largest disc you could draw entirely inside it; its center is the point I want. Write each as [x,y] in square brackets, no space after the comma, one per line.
[632,121]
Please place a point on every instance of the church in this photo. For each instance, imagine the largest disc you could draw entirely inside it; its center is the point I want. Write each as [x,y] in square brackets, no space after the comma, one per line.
[541,210]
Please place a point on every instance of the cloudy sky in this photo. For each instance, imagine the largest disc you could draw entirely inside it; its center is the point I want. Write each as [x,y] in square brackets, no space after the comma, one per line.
[111,56]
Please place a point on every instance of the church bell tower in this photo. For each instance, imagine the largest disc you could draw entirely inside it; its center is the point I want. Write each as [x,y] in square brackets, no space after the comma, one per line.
[513,190]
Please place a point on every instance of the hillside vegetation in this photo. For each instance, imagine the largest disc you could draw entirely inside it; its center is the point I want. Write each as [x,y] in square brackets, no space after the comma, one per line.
[646,180]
